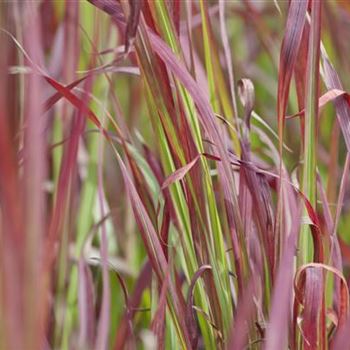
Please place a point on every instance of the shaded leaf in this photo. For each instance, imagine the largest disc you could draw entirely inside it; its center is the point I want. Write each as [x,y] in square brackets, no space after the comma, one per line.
[133,22]
[190,320]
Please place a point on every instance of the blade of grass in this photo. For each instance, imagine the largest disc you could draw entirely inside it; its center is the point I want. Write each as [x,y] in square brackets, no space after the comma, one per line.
[311,116]
[289,50]
[288,55]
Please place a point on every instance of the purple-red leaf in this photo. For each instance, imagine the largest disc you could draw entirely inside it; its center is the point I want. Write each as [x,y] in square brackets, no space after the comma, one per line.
[133,22]
[75,101]
[309,293]
[112,7]
[190,320]
[180,173]
[289,52]
[158,322]
[152,245]
[329,96]
[341,103]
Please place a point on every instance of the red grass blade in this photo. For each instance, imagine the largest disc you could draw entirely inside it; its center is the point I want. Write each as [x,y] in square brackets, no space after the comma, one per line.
[309,291]
[289,52]
[180,173]
[280,311]
[313,324]
[190,320]
[112,7]
[341,339]
[300,70]
[58,95]
[329,96]
[153,246]
[133,22]
[75,101]
[341,103]
[243,318]
[158,322]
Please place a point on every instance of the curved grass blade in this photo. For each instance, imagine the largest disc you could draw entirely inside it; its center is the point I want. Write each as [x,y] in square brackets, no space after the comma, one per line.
[190,321]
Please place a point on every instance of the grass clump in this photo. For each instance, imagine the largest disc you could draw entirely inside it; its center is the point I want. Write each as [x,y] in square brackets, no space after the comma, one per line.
[168,178]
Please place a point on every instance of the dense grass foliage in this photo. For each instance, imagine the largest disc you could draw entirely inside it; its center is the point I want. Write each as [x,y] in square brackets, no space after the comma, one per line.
[174,174]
